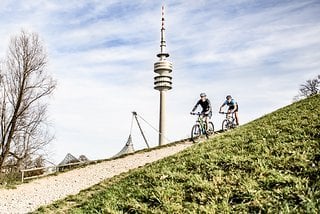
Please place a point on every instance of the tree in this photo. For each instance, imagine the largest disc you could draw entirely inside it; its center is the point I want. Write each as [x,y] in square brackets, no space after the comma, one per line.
[309,88]
[24,85]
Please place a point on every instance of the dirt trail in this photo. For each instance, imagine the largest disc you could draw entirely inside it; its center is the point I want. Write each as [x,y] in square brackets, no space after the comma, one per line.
[29,196]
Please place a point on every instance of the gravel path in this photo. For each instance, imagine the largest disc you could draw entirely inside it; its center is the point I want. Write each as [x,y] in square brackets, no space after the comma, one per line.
[29,196]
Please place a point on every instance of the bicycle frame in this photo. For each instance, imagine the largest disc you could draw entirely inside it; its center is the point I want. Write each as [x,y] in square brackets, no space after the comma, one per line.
[201,122]
[230,119]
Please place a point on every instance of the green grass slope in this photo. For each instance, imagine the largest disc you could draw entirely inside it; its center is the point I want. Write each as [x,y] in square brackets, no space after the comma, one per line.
[270,165]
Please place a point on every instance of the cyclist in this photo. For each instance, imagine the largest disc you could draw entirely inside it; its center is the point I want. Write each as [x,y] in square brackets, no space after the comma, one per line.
[233,107]
[205,103]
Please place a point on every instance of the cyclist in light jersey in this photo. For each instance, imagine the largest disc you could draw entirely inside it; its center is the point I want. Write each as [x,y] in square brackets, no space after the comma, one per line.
[233,107]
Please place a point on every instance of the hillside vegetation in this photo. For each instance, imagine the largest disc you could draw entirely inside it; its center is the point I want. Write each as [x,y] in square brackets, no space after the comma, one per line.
[270,165]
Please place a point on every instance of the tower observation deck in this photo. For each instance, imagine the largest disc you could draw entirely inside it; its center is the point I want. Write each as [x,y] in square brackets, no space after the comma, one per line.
[163,81]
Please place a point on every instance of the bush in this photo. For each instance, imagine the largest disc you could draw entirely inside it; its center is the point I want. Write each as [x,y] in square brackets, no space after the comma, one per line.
[8,179]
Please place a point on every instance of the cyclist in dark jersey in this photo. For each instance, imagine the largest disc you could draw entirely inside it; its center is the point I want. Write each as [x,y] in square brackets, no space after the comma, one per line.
[205,103]
[233,107]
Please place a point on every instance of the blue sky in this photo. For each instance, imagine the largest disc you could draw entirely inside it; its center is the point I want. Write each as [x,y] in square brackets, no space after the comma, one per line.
[102,55]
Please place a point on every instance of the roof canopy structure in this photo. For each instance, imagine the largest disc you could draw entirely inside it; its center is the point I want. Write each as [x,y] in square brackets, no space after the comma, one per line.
[72,159]
[128,148]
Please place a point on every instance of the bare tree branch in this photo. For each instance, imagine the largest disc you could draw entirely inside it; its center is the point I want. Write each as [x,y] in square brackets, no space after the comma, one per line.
[24,84]
[309,88]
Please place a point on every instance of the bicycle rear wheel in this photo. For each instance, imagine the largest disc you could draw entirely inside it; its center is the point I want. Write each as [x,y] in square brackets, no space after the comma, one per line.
[195,133]
[225,125]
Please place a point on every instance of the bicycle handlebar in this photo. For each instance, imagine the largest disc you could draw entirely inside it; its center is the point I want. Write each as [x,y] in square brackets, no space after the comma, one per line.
[198,113]
[221,112]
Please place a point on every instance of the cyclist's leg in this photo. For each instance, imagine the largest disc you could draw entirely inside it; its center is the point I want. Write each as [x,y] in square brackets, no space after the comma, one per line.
[205,118]
[237,117]
[208,117]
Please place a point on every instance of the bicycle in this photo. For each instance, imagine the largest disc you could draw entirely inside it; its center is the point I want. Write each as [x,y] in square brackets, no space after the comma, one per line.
[229,122]
[200,128]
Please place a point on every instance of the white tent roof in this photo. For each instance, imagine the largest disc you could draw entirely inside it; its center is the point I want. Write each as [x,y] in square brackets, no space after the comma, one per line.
[69,159]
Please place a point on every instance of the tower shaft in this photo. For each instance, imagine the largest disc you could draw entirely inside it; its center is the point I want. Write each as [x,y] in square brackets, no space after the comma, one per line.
[162,118]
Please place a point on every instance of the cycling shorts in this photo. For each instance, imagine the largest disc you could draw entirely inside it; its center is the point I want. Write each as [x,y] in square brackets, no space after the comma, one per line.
[208,114]
[233,107]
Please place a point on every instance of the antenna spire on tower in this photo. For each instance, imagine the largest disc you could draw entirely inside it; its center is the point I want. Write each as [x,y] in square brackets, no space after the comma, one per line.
[162,55]
[162,17]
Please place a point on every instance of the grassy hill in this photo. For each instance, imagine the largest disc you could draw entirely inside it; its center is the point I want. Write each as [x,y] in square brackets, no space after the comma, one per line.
[270,165]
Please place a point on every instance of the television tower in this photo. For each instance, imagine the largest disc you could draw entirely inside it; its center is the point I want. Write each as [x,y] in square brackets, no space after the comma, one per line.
[162,81]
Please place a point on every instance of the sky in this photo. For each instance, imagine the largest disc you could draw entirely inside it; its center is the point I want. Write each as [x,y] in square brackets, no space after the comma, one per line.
[102,53]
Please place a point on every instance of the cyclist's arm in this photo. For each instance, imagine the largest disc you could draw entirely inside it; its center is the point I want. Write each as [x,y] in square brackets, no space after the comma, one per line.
[209,108]
[222,107]
[195,107]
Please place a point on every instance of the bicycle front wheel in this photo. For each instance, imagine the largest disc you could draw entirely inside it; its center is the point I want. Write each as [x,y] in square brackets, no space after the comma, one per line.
[225,125]
[195,133]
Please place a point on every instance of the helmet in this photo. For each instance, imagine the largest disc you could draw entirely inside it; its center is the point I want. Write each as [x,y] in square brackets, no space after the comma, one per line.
[228,97]
[203,95]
